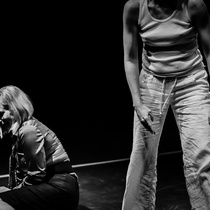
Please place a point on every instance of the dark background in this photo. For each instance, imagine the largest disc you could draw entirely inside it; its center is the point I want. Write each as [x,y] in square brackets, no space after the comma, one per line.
[69,59]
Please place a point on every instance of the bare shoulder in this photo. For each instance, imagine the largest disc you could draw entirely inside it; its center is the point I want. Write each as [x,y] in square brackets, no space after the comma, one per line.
[197,11]
[196,6]
[131,10]
[131,5]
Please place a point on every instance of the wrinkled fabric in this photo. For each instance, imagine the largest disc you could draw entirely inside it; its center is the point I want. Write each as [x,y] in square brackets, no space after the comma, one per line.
[164,40]
[35,148]
[189,99]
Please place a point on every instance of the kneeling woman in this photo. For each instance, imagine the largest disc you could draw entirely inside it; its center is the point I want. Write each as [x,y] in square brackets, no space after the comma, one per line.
[40,172]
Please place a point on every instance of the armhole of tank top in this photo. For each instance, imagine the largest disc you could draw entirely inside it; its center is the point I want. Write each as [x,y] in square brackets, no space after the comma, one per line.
[187,11]
[140,11]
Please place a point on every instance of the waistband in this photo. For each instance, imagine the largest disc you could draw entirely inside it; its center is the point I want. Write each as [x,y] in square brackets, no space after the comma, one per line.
[59,168]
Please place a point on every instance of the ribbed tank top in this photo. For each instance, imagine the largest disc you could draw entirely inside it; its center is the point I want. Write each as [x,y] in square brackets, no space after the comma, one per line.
[170,46]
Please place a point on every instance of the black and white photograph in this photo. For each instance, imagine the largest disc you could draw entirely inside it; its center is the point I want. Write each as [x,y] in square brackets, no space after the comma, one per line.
[105,105]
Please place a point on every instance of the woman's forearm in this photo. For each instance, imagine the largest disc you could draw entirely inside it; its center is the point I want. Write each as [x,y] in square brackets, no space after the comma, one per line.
[132,76]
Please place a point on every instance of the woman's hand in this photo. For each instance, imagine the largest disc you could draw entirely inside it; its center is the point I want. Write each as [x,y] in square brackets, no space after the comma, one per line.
[145,117]
[4,189]
[17,187]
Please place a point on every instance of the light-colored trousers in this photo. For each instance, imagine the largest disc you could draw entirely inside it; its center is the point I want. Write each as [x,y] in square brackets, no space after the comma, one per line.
[189,98]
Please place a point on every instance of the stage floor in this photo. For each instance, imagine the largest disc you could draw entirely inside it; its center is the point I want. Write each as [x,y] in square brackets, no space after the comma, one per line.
[102,184]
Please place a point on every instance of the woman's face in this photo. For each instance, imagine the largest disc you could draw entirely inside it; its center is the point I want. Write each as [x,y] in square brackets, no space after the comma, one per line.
[6,121]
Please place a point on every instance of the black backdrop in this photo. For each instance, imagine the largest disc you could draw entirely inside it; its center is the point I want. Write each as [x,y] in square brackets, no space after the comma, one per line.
[69,59]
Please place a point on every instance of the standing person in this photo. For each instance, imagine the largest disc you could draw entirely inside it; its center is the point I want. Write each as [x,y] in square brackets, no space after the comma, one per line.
[172,74]
[40,172]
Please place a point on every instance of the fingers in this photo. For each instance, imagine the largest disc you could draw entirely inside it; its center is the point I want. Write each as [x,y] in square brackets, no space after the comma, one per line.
[151,116]
[4,189]
[141,119]
[148,126]
[146,123]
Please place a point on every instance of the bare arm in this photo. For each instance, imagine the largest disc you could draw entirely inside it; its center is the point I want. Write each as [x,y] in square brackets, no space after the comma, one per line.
[131,62]
[200,17]
[130,45]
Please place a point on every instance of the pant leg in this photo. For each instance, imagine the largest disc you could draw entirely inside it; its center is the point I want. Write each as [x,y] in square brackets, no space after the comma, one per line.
[141,176]
[61,192]
[192,111]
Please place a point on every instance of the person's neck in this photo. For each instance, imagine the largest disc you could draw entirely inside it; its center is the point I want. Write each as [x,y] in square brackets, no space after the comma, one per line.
[166,4]
[162,9]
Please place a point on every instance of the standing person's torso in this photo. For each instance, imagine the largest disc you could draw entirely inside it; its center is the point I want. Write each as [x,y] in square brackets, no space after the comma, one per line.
[170,45]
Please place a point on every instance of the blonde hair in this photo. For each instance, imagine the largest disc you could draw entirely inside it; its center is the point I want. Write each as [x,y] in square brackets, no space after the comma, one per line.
[15,100]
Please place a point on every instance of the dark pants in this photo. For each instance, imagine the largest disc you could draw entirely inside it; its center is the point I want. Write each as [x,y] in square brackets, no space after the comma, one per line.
[60,192]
